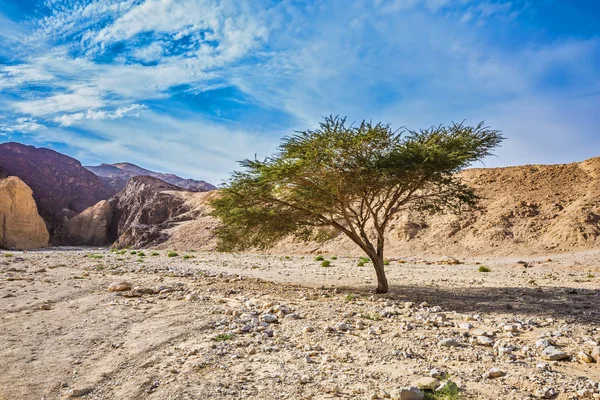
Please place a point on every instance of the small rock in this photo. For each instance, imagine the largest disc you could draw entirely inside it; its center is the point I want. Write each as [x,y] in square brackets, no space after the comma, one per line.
[493,373]
[551,353]
[269,318]
[547,393]
[344,327]
[485,341]
[406,394]
[449,343]
[465,326]
[308,329]
[79,392]
[584,357]
[119,287]
[45,307]
[596,354]
[426,383]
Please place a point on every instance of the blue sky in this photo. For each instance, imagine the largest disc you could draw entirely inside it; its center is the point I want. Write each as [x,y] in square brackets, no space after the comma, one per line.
[192,86]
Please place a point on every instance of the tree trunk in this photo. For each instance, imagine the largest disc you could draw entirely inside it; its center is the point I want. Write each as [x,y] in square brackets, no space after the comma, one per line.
[382,283]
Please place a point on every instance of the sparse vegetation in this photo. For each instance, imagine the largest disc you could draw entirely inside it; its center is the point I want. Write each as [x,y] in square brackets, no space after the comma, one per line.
[325,263]
[172,254]
[95,256]
[449,392]
[334,258]
[349,297]
[155,253]
[319,258]
[188,256]
[386,262]
[483,268]
[297,191]
[223,337]
[8,255]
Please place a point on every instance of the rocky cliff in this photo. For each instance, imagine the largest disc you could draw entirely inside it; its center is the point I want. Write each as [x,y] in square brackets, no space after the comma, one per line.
[115,176]
[22,227]
[138,216]
[61,185]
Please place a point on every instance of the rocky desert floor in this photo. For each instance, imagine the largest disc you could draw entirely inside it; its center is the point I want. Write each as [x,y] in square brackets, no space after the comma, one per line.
[96,324]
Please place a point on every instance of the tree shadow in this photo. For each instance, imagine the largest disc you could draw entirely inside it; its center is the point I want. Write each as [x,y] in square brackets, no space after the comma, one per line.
[580,305]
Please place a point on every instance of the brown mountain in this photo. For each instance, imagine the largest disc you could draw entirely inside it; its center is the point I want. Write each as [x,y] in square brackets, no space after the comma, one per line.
[116,176]
[61,185]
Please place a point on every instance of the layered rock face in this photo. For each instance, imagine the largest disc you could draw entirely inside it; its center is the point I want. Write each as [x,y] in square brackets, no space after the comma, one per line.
[61,185]
[115,176]
[143,210]
[22,227]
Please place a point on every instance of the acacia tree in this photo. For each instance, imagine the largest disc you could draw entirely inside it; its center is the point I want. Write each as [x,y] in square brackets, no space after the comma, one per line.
[351,179]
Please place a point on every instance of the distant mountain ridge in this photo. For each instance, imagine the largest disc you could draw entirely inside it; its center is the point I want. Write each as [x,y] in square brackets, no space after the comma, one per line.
[116,176]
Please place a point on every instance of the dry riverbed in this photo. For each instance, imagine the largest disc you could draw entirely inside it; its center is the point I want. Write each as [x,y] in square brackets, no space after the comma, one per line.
[95,324]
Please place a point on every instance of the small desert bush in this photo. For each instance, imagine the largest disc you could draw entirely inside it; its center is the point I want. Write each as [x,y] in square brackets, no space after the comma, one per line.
[95,256]
[141,254]
[448,392]
[188,256]
[386,262]
[326,263]
[483,268]
[155,253]
[319,258]
[172,254]
[223,337]
[349,297]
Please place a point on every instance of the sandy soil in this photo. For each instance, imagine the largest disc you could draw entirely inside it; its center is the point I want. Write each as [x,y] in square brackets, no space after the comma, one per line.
[204,326]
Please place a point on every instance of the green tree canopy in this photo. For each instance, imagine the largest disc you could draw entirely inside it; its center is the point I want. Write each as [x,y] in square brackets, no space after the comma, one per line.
[351,179]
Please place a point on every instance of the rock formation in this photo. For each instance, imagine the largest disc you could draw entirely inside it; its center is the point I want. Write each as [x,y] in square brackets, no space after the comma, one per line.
[22,226]
[143,210]
[90,227]
[137,216]
[115,177]
[61,186]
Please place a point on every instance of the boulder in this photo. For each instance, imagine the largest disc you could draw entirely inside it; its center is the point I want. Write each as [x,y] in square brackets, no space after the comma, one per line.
[91,226]
[22,226]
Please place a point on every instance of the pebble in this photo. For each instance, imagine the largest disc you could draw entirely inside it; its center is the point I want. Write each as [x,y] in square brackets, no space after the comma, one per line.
[551,353]
[426,383]
[485,341]
[411,393]
[45,307]
[547,393]
[449,343]
[79,392]
[270,318]
[344,327]
[119,287]
[493,373]
[585,357]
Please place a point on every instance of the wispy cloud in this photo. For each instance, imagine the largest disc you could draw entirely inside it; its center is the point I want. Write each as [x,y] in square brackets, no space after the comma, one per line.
[70,119]
[142,78]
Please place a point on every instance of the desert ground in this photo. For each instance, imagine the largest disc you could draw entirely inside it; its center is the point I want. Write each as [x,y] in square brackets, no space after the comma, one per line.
[97,324]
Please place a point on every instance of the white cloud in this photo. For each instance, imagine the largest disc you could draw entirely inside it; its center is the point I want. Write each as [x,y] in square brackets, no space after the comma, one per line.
[23,125]
[71,119]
